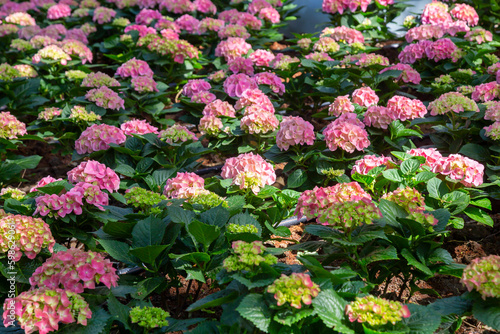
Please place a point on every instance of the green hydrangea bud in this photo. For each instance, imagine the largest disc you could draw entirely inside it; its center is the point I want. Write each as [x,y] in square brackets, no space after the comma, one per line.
[247,256]
[81,115]
[8,73]
[483,274]
[376,311]
[409,22]
[149,317]
[120,22]
[492,58]
[208,200]
[346,216]
[332,173]
[248,228]
[20,45]
[144,199]
[294,289]
[14,193]
[409,198]
[75,75]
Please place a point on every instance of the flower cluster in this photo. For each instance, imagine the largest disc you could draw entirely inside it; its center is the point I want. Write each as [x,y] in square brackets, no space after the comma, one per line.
[249,171]
[492,111]
[103,15]
[376,311]
[20,18]
[195,86]
[344,34]
[98,79]
[483,274]
[272,80]
[465,13]
[43,309]
[105,98]
[149,317]
[406,108]
[294,131]
[43,182]
[95,173]
[232,47]
[326,44]
[236,228]
[441,49]
[30,235]
[14,193]
[479,36]
[144,84]
[257,119]
[369,162]
[178,49]
[493,131]
[207,199]
[74,47]
[98,137]
[8,73]
[137,126]
[452,101]
[184,185]
[143,199]
[74,270]
[431,155]
[236,84]
[80,114]
[261,57]
[339,6]
[75,75]
[341,105]
[469,172]
[10,127]
[435,12]
[346,132]
[58,11]
[365,97]
[348,215]
[134,68]
[52,52]
[295,289]
[408,198]
[486,92]
[379,117]
[408,74]
[247,256]
[177,133]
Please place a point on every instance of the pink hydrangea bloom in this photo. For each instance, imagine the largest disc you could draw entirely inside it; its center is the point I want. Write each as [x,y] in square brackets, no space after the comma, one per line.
[142,29]
[261,57]
[344,34]
[406,108]
[465,13]
[209,24]
[256,5]
[188,23]
[103,15]
[408,74]
[74,47]
[134,68]
[219,108]
[294,131]
[368,162]
[424,32]
[98,79]
[233,30]
[479,36]
[203,97]
[319,56]
[272,80]
[452,102]
[326,44]
[492,111]
[493,131]
[341,105]
[249,171]
[254,96]
[58,11]
[379,117]
[486,92]
[413,52]
[43,182]
[431,155]
[236,84]
[146,16]
[435,12]
[210,124]
[52,52]
[232,47]
[10,126]
[195,86]
[205,6]
[241,65]
[75,270]
[443,48]
[144,84]
[258,120]
[93,172]
[169,34]
[178,6]
[22,19]
[184,185]
[270,14]
[365,97]
[22,234]
[98,137]
[106,98]
[176,133]
[457,167]
[346,132]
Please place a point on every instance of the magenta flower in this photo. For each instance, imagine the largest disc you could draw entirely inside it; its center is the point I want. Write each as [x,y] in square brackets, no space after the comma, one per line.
[236,84]
[435,12]
[294,131]
[58,11]
[469,172]
[95,173]
[465,13]
[232,47]
[379,117]
[368,162]
[106,98]
[272,80]
[254,96]
[134,68]
[194,86]
[241,65]
[406,108]
[98,137]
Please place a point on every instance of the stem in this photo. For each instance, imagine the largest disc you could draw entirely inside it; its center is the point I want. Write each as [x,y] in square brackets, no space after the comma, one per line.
[186,297]
[200,285]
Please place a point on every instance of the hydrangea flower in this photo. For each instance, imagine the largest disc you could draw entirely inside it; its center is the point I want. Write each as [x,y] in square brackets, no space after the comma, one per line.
[376,311]
[319,56]
[283,62]
[369,162]
[98,79]
[294,131]
[80,114]
[379,117]
[23,234]
[247,256]
[106,98]
[469,172]
[209,24]
[194,86]
[147,16]
[219,108]
[205,6]
[479,36]
[272,80]
[270,14]
[134,68]
[465,13]
[261,57]
[58,11]
[177,133]
[326,44]
[254,97]
[178,6]
[406,108]
[98,137]
[142,29]
[493,131]
[184,185]
[103,15]
[454,102]
[75,270]
[248,228]
[15,193]
[304,43]
[249,171]
[137,126]
[43,182]
[149,317]
[435,12]
[408,74]
[52,52]
[74,47]
[348,215]
[43,309]
[408,198]
[94,172]
[486,92]
[483,274]
[188,23]
[431,155]
[346,132]
[143,199]
[341,105]
[365,97]
[233,30]
[232,47]
[257,120]
[21,18]
[241,65]
[236,84]
[10,127]
[295,289]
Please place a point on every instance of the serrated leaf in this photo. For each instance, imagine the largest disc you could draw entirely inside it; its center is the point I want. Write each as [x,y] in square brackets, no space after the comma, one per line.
[119,311]
[118,251]
[331,310]
[412,261]
[203,233]
[149,231]
[254,309]
[452,305]
[215,299]
[147,286]
[380,254]
[296,179]
[410,166]
[479,215]
[217,216]
[148,254]
[392,175]
[488,312]
[422,320]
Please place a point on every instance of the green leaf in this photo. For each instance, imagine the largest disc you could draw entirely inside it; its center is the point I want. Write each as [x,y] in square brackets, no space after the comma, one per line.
[331,310]
[267,191]
[436,188]
[217,216]
[253,308]
[148,254]
[412,261]
[391,211]
[424,176]
[125,170]
[457,200]
[393,175]
[476,152]
[422,320]
[488,312]
[119,229]
[95,325]
[288,317]
[144,165]
[410,166]
[479,215]
[380,254]
[296,179]
[26,162]
[148,286]
[481,202]
[119,311]
[147,232]
[203,233]
[118,251]
[452,305]
[246,219]
[215,299]
[180,215]
[54,187]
